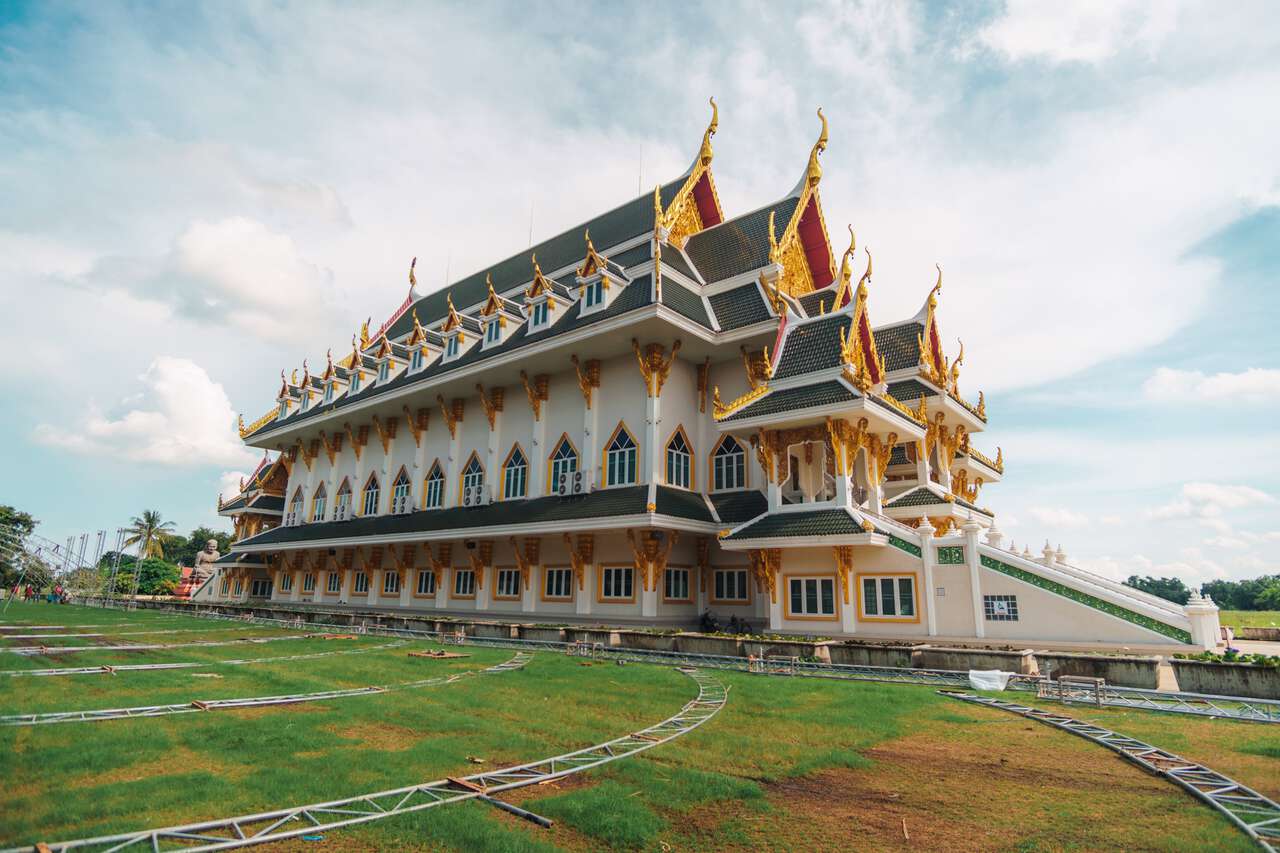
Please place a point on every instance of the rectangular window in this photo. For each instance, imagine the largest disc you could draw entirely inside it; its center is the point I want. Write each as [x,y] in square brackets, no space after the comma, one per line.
[317,507]
[355,382]
[343,508]
[239,586]
[508,584]
[362,583]
[616,583]
[400,497]
[559,584]
[371,499]
[730,586]
[493,331]
[391,583]
[540,314]
[426,582]
[384,371]
[451,347]
[309,582]
[226,586]
[435,491]
[812,597]
[260,589]
[333,583]
[328,393]
[1000,608]
[286,582]
[595,294]
[675,585]
[416,361]
[284,410]
[464,583]
[888,597]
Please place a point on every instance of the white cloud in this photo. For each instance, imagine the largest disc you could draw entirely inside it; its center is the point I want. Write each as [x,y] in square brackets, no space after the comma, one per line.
[1087,31]
[1207,501]
[1058,517]
[181,418]
[229,483]
[1255,385]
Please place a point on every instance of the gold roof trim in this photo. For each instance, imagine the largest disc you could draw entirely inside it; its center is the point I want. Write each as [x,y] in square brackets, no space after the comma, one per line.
[681,219]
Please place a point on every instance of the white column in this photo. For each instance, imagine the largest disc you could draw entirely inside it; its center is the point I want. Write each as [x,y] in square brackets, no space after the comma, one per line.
[453,466]
[971,529]
[774,599]
[493,467]
[529,597]
[649,600]
[1206,632]
[538,453]
[375,586]
[443,580]
[295,594]
[344,592]
[410,580]
[484,592]
[591,453]
[929,556]
[653,439]
[583,597]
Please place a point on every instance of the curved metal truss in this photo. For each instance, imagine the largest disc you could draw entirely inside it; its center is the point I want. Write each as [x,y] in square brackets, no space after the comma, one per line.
[265,827]
[517,662]
[1256,815]
[1224,707]
[114,669]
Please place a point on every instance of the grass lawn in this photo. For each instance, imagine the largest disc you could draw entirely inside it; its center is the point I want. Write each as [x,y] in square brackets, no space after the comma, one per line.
[1250,618]
[789,764]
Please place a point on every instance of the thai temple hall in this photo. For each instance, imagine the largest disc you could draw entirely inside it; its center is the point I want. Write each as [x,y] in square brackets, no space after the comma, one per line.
[664,411]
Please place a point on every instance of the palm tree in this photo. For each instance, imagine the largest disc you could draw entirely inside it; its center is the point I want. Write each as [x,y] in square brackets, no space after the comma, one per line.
[149,531]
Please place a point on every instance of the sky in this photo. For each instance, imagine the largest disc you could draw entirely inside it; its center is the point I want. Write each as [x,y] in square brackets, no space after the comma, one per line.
[197,196]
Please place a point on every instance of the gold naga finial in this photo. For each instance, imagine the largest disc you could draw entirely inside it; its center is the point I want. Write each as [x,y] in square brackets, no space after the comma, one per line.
[814,172]
[537,270]
[846,271]
[937,288]
[293,377]
[413,279]
[657,205]
[364,333]
[586,235]
[704,153]
[448,298]
[773,240]
[414,313]
[488,280]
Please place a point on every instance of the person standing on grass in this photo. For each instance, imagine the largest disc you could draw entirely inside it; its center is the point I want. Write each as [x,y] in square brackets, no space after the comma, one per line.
[29,593]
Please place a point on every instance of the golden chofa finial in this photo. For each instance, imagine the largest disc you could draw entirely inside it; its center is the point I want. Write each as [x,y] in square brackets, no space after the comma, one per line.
[705,153]
[866,276]
[657,205]
[814,173]
[846,271]
[413,279]
[489,283]
[537,270]
[293,377]
[586,235]
[364,332]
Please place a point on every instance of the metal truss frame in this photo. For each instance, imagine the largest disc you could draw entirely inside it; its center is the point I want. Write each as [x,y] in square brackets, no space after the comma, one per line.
[40,650]
[1254,814]
[1224,707]
[265,827]
[1198,704]
[517,662]
[114,669]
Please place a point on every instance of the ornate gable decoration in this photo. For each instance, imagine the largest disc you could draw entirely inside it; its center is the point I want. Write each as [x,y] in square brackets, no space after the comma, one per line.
[493,304]
[541,285]
[594,263]
[696,204]
[863,363]
[454,320]
[933,363]
[419,334]
[797,250]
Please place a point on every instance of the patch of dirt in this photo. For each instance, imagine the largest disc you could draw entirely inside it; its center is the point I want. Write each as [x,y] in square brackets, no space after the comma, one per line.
[381,736]
[179,759]
[946,790]
[265,710]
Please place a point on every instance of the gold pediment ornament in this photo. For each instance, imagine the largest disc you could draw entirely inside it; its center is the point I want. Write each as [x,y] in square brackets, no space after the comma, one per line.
[788,250]
[682,219]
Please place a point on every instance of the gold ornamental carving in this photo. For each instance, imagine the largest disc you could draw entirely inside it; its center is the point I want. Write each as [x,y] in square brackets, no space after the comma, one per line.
[655,365]
[588,376]
[538,392]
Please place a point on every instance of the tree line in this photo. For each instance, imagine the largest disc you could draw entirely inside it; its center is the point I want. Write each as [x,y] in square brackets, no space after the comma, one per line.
[1261,593]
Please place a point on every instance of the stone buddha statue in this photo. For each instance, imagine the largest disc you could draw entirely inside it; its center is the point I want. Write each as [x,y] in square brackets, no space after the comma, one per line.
[204,562]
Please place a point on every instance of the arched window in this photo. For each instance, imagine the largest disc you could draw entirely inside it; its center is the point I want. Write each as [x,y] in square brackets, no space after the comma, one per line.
[679,461]
[433,492]
[342,503]
[369,504]
[620,458]
[729,465]
[318,503]
[295,508]
[472,485]
[564,468]
[515,475]
[400,490]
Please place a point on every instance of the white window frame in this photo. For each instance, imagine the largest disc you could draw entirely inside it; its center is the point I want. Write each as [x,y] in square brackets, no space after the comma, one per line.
[402,494]
[728,466]
[333,583]
[361,584]
[319,503]
[260,588]
[464,584]
[390,583]
[366,493]
[493,332]
[416,359]
[472,478]
[308,582]
[342,503]
[562,465]
[225,588]
[426,584]
[355,381]
[992,607]
[239,587]
[295,510]
[507,585]
[433,492]
[875,612]
[540,314]
[557,578]
[452,347]
[614,580]
[677,577]
[819,582]
[286,582]
[593,296]
[730,581]
[515,473]
[682,460]
[384,371]
[633,463]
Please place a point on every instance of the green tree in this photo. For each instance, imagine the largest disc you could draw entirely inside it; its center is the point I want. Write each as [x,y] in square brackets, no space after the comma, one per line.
[1170,589]
[1269,598]
[149,531]
[15,526]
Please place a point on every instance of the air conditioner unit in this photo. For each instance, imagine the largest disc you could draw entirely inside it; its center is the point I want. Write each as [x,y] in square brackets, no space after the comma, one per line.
[577,482]
[562,487]
[466,496]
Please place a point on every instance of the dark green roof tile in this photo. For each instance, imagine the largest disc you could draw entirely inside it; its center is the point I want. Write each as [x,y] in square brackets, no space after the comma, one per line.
[739,307]
[803,397]
[682,503]
[738,245]
[684,301]
[899,345]
[800,524]
[815,345]
[738,507]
